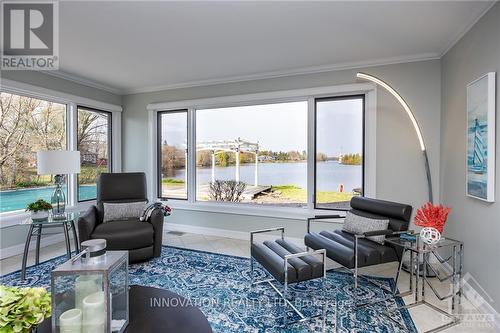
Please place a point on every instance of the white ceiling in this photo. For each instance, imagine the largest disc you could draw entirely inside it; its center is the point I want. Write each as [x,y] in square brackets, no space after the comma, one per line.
[145,46]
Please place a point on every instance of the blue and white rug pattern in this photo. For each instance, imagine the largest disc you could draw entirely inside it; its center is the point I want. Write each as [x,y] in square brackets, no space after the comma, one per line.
[220,286]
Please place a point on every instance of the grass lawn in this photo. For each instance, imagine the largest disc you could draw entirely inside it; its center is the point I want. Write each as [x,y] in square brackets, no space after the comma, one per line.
[88,175]
[298,194]
[172,181]
[291,193]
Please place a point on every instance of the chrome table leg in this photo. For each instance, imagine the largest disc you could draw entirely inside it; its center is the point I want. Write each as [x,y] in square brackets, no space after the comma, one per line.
[38,238]
[25,253]
[75,237]
[66,238]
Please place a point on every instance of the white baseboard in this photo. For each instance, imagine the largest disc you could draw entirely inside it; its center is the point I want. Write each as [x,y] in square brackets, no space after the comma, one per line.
[482,305]
[19,248]
[244,235]
[476,298]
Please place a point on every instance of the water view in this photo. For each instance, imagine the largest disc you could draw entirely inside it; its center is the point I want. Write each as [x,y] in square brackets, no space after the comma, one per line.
[331,175]
[258,153]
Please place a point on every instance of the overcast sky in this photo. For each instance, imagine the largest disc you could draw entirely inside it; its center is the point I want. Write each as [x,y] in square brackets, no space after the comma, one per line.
[277,127]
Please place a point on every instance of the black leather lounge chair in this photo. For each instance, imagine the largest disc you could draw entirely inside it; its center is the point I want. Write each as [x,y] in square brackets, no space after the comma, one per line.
[355,251]
[142,239]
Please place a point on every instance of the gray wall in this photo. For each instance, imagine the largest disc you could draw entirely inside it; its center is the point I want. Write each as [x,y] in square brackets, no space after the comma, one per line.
[14,235]
[400,172]
[475,222]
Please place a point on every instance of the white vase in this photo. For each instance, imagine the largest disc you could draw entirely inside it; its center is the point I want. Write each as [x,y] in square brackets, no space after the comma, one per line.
[40,215]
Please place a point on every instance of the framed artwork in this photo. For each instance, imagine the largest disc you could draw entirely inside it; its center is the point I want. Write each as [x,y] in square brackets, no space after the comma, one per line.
[480,182]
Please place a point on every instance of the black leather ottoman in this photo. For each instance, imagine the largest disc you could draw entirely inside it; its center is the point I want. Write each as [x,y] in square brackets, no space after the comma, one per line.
[287,263]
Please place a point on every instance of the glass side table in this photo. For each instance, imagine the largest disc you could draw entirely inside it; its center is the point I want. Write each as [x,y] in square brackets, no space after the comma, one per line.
[35,229]
[420,254]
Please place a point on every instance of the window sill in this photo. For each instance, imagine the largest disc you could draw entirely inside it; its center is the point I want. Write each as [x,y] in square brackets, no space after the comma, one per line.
[9,219]
[291,213]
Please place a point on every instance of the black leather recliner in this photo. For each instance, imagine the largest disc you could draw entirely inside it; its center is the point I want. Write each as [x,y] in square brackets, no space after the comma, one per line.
[355,251]
[142,239]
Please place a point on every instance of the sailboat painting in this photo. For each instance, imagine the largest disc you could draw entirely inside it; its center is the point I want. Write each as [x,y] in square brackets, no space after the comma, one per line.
[481,138]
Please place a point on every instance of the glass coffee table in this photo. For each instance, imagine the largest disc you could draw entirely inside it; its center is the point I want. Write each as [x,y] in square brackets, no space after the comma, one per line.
[36,229]
[420,258]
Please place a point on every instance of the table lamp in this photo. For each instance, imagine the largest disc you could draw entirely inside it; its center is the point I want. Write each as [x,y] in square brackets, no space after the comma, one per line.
[58,163]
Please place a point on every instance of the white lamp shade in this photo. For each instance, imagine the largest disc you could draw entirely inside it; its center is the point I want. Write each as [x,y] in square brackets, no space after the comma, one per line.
[58,162]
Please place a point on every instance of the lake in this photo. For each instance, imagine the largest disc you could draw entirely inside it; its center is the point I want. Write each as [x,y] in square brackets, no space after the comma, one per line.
[330,175]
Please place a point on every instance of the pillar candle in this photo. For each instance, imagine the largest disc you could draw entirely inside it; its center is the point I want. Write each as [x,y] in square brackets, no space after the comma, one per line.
[71,321]
[93,313]
[86,285]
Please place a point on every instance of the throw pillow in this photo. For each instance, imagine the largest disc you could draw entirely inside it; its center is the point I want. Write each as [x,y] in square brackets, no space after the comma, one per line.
[123,210]
[357,224]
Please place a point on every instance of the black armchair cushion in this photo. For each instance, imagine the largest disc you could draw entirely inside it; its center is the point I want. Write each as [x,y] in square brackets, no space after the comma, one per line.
[125,186]
[339,246]
[125,234]
[120,188]
[399,215]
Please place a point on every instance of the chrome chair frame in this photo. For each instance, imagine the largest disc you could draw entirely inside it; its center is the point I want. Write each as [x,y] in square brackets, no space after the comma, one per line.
[355,270]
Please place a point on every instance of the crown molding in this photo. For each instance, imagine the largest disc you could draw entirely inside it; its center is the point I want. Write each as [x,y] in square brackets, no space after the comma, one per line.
[250,77]
[466,29]
[22,88]
[83,81]
[288,72]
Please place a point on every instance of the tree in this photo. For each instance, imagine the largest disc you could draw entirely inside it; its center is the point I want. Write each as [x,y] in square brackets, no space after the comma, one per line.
[226,190]
[223,159]
[14,127]
[352,159]
[204,158]
[172,158]
[321,157]
[27,125]
[46,125]
[92,136]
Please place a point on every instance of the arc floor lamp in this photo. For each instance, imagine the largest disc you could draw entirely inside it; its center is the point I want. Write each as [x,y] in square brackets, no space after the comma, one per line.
[413,121]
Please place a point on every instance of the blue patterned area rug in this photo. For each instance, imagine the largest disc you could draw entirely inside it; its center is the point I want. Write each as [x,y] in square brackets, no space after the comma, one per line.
[220,286]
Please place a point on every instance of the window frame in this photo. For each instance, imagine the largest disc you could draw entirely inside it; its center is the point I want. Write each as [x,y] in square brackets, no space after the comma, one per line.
[110,144]
[363,140]
[71,101]
[159,189]
[308,94]
[246,104]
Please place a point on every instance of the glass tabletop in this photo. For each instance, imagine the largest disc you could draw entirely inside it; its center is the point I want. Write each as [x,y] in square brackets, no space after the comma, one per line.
[66,218]
[417,245]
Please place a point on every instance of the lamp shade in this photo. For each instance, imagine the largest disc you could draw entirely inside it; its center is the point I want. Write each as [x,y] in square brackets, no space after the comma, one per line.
[58,162]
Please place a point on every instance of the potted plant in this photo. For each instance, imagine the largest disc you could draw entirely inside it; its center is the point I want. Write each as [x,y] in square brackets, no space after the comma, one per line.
[22,309]
[39,209]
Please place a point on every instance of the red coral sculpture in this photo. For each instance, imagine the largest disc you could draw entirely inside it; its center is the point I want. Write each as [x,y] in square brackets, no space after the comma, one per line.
[434,216]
